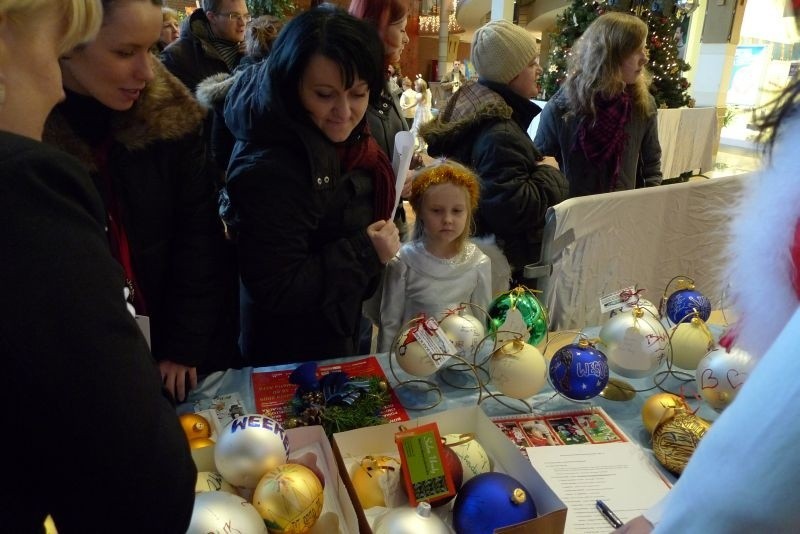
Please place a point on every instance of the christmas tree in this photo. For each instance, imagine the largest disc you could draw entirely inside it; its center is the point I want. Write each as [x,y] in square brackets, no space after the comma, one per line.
[669,86]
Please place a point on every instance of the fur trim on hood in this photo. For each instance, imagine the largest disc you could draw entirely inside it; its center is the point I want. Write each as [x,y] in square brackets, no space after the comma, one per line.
[165,111]
[213,90]
[470,107]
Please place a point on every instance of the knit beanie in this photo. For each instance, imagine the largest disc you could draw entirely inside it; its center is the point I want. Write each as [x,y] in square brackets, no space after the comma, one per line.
[501,49]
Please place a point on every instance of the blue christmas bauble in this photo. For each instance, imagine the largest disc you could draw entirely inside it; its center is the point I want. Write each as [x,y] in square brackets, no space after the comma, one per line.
[579,371]
[532,311]
[682,304]
[490,501]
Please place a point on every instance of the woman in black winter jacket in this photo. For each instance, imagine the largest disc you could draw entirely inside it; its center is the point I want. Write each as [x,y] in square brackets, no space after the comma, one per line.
[311,189]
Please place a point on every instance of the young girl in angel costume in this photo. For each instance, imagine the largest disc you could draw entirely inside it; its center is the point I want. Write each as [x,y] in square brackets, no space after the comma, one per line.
[423,113]
[440,268]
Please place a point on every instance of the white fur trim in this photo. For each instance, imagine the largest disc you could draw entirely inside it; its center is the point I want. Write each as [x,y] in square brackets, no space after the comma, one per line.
[759,252]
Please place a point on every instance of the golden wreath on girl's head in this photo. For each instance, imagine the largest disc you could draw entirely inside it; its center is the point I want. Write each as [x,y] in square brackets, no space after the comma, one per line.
[445,171]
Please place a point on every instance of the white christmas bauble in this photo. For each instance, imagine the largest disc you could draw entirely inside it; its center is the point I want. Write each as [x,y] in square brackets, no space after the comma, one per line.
[407,520]
[412,356]
[248,447]
[465,331]
[220,511]
[474,459]
[635,342]
[720,375]
[211,481]
[690,342]
[518,369]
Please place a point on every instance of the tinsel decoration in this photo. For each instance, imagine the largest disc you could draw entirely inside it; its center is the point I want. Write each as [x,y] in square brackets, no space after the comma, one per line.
[335,401]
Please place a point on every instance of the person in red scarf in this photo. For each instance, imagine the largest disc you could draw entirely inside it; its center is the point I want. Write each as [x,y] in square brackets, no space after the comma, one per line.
[601,124]
[311,189]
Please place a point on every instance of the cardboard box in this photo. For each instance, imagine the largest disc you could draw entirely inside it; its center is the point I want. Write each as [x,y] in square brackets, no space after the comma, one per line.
[303,440]
[350,447]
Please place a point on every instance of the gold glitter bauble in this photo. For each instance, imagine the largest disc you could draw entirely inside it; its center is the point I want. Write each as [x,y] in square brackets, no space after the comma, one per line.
[675,440]
[195,426]
[659,408]
[289,498]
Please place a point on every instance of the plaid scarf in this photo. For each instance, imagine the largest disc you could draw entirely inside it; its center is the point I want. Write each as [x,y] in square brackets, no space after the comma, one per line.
[364,153]
[603,141]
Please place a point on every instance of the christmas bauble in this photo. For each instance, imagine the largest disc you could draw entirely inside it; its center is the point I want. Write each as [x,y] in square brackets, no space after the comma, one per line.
[579,371]
[211,481]
[682,304]
[675,440]
[720,374]
[465,331]
[645,304]
[690,342]
[490,501]
[534,318]
[412,356]
[289,497]
[474,459]
[248,447]
[634,342]
[199,443]
[195,426]
[370,475]
[220,511]
[517,369]
[658,408]
[407,520]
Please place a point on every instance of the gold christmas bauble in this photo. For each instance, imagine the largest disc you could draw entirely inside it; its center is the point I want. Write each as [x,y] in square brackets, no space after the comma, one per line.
[195,426]
[690,342]
[199,443]
[368,476]
[675,440]
[518,369]
[659,408]
[289,498]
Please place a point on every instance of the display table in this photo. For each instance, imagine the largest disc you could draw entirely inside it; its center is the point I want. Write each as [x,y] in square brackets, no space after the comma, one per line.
[687,137]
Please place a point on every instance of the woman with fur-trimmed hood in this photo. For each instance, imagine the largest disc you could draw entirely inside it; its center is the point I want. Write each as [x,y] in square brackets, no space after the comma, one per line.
[138,131]
[484,126]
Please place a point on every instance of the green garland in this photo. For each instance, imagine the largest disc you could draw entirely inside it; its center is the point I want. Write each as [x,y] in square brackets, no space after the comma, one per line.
[364,411]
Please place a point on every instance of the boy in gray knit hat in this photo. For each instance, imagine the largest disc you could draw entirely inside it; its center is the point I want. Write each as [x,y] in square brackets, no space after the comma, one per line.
[484,126]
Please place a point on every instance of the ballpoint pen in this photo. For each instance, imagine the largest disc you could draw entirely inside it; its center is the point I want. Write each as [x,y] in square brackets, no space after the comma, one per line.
[610,516]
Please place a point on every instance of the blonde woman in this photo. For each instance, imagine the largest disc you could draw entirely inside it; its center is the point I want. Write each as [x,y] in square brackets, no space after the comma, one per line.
[96,444]
[601,125]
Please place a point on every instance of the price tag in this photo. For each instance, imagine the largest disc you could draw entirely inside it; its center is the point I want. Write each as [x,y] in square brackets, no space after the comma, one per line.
[618,299]
[435,342]
[421,455]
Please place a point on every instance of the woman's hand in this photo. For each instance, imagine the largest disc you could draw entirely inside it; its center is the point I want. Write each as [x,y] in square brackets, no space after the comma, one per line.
[174,377]
[385,239]
[637,525]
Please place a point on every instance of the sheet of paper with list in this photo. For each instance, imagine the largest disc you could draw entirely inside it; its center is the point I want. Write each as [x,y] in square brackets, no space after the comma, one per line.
[620,474]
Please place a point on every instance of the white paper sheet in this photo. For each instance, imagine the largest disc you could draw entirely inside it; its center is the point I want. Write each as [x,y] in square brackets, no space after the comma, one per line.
[620,474]
[401,161]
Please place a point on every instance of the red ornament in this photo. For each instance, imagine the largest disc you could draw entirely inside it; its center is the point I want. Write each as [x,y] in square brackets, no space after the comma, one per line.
[452,464]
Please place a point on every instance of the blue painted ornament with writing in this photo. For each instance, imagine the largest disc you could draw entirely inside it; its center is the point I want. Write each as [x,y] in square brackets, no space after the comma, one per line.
[533,314]
[682,304]
[579,371]
[490,501]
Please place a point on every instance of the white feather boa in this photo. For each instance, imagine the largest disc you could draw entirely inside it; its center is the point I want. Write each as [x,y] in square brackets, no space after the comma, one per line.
[759,251]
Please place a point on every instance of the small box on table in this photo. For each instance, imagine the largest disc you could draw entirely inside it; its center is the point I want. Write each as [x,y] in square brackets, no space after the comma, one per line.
[505,457]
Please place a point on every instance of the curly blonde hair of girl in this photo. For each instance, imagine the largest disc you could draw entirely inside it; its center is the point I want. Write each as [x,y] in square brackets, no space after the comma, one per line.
[445,172]
[594,67]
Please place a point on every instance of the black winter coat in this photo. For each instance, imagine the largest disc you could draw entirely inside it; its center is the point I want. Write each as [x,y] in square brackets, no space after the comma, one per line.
[306,261]
[159,168]
[85,397]
[484,126]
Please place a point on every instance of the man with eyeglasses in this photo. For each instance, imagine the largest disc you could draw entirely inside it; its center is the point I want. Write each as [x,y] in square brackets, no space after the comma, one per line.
[212,41]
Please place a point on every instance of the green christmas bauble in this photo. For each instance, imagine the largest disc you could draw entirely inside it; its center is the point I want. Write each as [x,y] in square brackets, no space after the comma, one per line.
[522,300]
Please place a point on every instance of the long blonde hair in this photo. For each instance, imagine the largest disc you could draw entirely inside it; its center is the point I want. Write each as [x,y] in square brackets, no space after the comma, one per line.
[594,67]
[81,18]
